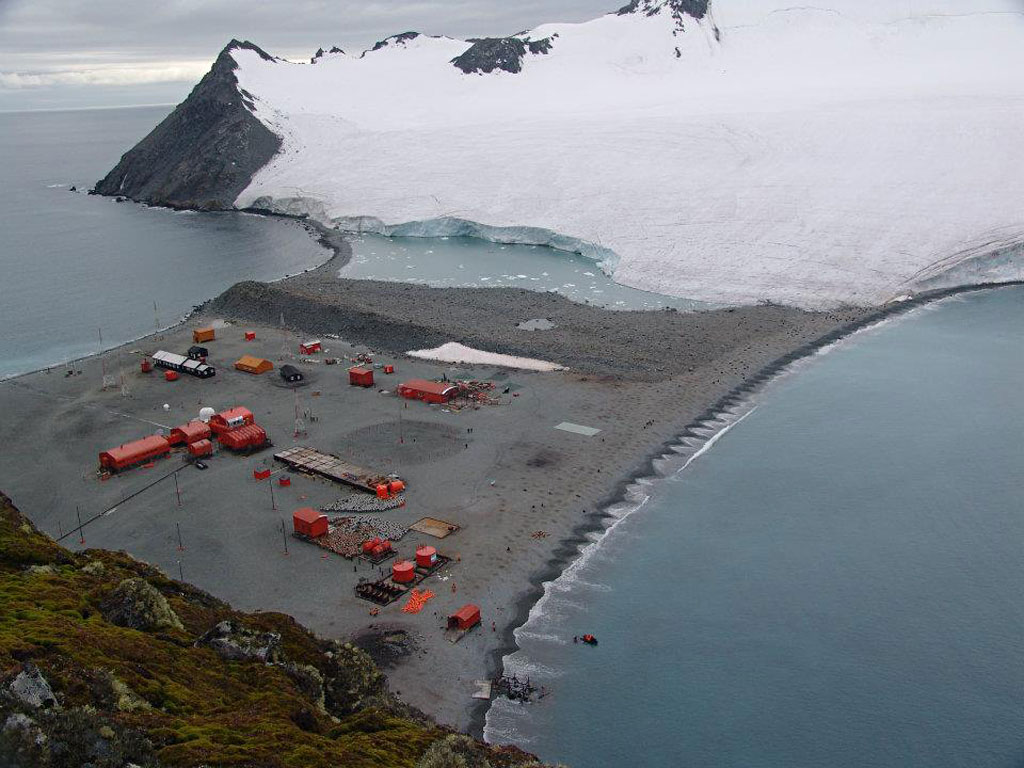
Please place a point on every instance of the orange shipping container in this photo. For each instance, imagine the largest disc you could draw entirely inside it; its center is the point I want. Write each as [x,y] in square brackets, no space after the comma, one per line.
[200,335]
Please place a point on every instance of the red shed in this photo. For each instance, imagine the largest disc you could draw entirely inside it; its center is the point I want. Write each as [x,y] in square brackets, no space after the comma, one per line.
[189,433]
[243,438]
[309,522]
[200,448]
[231,418]
[137,452]
[427,391]
[310,347]
[466,617]
[360,377]
[403,572]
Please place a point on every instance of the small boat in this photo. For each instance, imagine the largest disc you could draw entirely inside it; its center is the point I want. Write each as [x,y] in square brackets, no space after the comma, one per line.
[589,639]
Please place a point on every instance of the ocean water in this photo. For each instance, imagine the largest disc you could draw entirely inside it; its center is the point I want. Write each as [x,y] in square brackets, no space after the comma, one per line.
[462,262]
[838,581]
[75,267]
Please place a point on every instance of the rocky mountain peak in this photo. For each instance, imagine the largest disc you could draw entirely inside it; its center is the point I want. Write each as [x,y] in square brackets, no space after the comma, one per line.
[697,9]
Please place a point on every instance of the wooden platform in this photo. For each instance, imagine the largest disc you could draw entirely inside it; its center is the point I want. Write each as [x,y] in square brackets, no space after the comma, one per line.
[434,527]
[385,591]
[331,467]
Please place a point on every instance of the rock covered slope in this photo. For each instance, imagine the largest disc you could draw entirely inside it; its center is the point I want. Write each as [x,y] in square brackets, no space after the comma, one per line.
[732,151]
[106,662]
[205,152]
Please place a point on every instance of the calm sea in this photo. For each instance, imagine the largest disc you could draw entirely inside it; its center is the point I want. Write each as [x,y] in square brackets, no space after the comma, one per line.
[838,581]
[76,266]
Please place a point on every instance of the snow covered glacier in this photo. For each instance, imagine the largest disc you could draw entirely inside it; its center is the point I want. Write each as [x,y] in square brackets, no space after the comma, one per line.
[846,151]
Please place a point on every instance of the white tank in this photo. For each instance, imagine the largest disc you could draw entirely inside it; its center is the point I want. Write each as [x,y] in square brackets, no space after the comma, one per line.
[205,414]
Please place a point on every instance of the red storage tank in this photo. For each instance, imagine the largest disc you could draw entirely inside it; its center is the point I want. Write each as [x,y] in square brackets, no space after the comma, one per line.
[427,391]
[245,438]
[372,544]
[395,487]
[200,448]
[137,452]
[382,492]
[189,433]
[231,418]
[360,377]
[309,522]
[426,557]
[403,572]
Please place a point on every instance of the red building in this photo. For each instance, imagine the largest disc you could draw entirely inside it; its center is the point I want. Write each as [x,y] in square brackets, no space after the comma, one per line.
[467,617]
[189,433]
[137,452]
[230,419]
[360,377]
[310,347]
[427,391]
[200,448]
[309,522]
[245,438]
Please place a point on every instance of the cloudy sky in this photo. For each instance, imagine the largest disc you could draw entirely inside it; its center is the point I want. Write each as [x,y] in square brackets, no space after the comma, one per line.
[58,54]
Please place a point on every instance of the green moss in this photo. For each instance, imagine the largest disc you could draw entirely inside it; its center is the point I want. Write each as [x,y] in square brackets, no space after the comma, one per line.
[155,696]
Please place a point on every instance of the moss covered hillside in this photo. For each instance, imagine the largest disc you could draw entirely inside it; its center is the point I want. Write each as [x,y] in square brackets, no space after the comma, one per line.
[106,662]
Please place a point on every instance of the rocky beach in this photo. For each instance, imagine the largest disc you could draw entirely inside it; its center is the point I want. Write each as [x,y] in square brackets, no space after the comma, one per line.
[523,492]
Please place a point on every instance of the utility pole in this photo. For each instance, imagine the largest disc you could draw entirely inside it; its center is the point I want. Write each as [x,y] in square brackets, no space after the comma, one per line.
[177,490]
[181,547]
[284,537]
[81,530]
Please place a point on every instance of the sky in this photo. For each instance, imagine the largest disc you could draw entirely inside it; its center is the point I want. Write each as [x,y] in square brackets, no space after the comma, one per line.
[71,54]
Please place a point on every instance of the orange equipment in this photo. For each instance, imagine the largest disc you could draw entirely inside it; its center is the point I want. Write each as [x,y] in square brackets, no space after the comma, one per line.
[200,335]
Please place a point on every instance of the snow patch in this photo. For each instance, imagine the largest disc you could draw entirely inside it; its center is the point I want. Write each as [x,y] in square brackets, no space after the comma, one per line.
[453,352]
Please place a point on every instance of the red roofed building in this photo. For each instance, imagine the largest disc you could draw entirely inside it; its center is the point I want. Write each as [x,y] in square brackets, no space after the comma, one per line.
[466,617]
[427,391]
[230,419]
[137,452]
[309,522]
[189,433]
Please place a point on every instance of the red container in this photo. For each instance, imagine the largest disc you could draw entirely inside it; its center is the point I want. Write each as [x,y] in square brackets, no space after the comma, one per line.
[426,557]
[146,366]
[284,481]
[250,335]
[403,572]
[360,377]
[395,487]
[261,474]
[171,375]
[309,522]
[389,369]
[200,448]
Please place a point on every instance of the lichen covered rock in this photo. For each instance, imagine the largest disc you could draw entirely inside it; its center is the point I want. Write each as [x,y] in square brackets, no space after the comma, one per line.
[236,642]
[136,604]
[30,688]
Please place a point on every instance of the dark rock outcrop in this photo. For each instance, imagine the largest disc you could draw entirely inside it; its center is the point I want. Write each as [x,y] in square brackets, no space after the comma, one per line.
[505,53]
[320,53]
[205,152]
[698,9]
[403,37]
